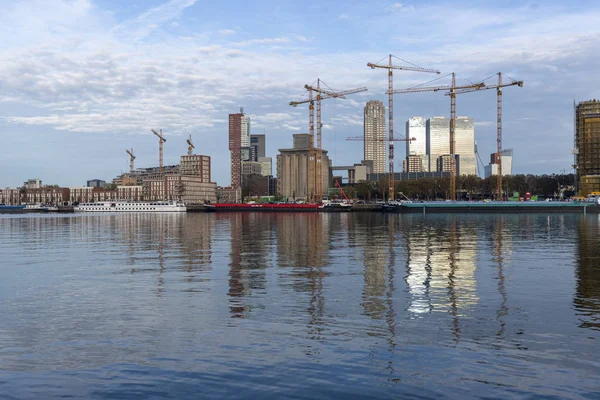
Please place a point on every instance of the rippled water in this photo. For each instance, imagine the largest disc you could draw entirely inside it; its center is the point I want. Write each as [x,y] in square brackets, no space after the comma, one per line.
[299,306]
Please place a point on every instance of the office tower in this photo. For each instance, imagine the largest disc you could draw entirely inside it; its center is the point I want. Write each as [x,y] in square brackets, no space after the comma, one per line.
[257,147]
[239,145]
[465,146]
[416,149]
[492,168]
[437,140]
[374,135]
[587,146]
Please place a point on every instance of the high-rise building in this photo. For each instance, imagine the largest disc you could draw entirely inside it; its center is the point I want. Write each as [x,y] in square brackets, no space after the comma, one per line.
[257,147]
[374,135]
[587,146]
[239,139]
[416,128]
[464,137]
[492,168]
[437,140]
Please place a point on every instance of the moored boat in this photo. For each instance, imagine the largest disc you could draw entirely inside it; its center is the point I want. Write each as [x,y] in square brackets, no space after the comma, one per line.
[131,206]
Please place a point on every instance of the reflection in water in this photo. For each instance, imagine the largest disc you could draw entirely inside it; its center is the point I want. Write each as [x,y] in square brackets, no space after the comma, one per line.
[587,297]
[248,304]
[440,267]
[497,252]
[248,260]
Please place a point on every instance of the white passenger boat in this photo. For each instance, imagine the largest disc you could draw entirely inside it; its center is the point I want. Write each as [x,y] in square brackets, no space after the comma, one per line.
[131,206]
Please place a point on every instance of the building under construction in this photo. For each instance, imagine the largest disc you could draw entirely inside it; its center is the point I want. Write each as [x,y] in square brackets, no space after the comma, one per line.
[587,146]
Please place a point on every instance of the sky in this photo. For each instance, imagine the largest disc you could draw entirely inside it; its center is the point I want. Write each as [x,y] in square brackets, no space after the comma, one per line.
[83,80]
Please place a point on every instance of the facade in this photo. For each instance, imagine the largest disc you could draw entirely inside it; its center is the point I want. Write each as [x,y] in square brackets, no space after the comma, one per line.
[464,137]
[292,173]
[195,165]
[131,193]
[414,163]
[492,167]
[251,168]
[136,177]
[10,197]
[301,141]
[35,183]
[590,184]
[239,137]
[437,140]
[444,163]
[47,195]
[95,183]
[257,147]
[374,135]
[416,127]
[189,189]
[229,195]
[266,164]
[587,141]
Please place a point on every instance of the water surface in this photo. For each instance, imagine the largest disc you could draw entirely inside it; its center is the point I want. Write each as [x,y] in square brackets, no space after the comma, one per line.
[303,305]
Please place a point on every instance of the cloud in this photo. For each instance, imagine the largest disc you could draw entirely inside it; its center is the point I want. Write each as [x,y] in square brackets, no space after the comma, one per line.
[227,32]
[343,16]
[277,40]
[399,7]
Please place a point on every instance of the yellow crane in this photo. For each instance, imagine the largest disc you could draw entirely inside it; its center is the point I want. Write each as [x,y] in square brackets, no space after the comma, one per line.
[315,178]
[498,88]
[390,67]
[161,140]
[452,88]
[131,158]
[190,145]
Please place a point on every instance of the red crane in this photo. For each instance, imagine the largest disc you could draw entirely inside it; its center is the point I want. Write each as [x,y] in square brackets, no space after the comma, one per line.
[390,67]
[337,183]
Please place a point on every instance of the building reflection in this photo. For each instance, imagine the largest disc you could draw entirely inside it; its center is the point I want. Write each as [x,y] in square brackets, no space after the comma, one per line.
[172,240]
[587,295]
[440,269]
[303,245]
[250,239]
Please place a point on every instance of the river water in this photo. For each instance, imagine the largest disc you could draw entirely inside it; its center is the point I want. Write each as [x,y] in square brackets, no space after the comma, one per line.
[285,305]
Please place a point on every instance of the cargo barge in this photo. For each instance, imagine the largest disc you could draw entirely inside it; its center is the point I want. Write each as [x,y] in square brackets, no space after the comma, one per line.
[266,207]
[494,207]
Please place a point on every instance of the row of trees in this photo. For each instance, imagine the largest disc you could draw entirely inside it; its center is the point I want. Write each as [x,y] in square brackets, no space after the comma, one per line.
[468,187]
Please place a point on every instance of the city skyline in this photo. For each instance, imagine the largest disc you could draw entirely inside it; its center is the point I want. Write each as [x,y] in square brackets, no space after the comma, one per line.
[83,82]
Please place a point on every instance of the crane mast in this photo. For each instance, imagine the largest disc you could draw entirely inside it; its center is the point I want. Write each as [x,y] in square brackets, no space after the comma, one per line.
[390,92]
[161,140]
[131,158]
[190,145]
[315,167]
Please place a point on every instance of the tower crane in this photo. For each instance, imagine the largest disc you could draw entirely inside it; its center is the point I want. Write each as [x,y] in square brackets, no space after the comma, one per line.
[498,88]
[190,145]
[319,149]
[390,67]
[131,158]
[452,88]
[161,140]
[315,178]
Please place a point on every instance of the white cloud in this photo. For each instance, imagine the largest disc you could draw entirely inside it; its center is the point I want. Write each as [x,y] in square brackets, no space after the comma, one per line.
[343,16]
[399,7]
[227,31]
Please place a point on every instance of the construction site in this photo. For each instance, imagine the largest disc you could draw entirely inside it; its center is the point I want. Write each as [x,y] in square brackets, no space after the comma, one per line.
[306,171]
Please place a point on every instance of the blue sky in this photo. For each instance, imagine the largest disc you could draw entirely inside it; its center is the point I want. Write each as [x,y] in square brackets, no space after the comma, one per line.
[82,80]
